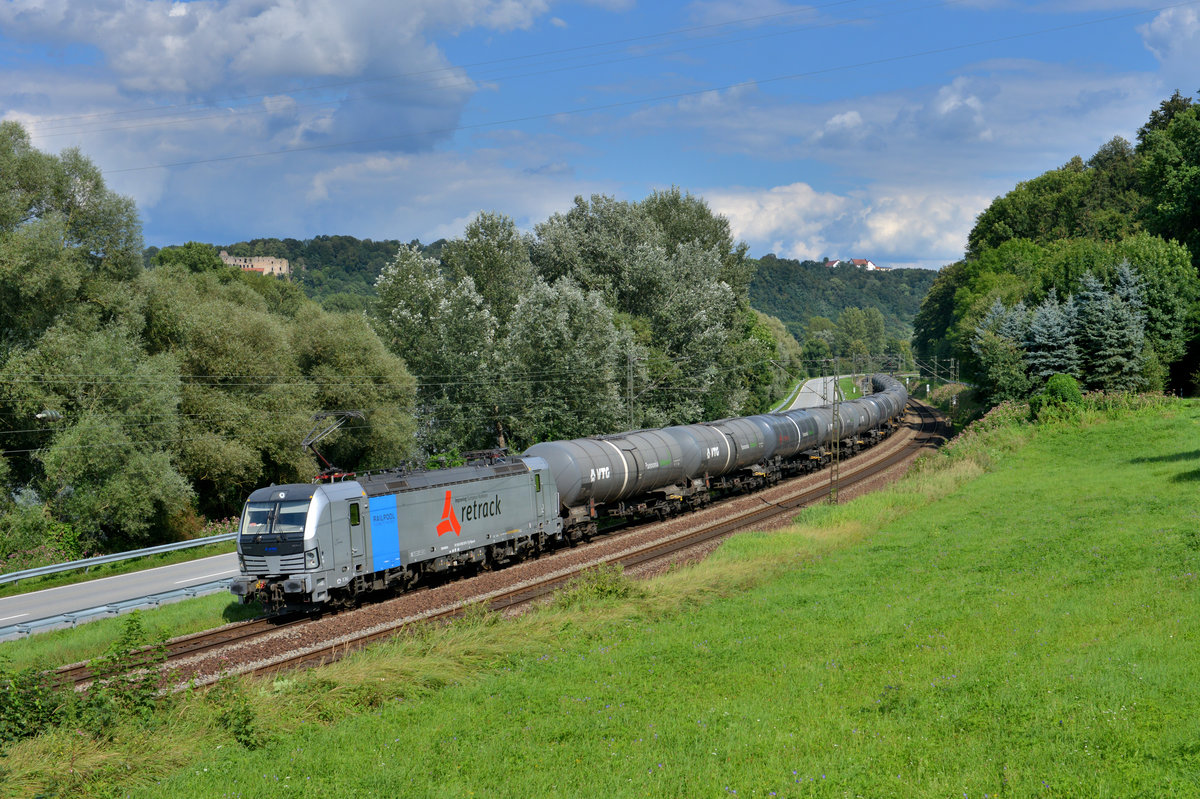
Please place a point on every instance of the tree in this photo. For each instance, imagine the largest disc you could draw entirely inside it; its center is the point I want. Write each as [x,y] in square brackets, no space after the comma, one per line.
[496,258]
[64,239]
[193,256]
[446,335]
[1050,343]
[1170,174]
[1002,367]
[596,243]
[560,366]
[686,219]
[1110,334]
[1161,117]
[351,369]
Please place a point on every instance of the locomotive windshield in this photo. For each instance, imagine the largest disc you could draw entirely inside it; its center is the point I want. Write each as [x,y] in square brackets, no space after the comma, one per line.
[283,519]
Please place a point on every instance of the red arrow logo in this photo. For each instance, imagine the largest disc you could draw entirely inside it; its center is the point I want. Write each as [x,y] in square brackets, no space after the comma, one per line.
[449,523]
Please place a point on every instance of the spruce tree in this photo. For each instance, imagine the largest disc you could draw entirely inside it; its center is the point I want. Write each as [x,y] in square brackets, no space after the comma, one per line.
[1110,330]
[1126,341]
[1050,342]
[1015,325]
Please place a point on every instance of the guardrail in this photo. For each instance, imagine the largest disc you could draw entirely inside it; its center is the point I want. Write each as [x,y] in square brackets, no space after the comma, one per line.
[87,563]
[787,401]
[14,631]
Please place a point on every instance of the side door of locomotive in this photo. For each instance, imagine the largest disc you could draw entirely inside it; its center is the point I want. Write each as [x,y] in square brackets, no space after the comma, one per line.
[358,532]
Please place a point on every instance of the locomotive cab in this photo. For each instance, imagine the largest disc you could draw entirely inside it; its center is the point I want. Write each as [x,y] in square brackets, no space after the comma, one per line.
[285,545]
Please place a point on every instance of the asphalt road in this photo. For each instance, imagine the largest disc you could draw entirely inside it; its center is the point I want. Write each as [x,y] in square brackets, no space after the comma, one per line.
[24,608]
[818,391]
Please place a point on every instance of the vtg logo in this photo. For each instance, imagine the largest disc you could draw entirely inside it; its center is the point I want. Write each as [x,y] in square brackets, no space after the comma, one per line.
[601,473]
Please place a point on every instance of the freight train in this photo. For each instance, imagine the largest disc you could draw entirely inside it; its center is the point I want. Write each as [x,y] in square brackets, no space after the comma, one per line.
[307,546]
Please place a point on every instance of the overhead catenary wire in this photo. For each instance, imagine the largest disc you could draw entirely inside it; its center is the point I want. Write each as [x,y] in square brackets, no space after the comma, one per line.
[499,408]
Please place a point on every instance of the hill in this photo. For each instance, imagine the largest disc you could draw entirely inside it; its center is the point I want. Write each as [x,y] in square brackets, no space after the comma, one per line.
[796,291]
[339,272]
[1088,270]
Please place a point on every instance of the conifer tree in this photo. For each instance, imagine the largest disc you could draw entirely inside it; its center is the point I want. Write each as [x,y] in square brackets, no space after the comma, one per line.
[1110,332]
[1050,342]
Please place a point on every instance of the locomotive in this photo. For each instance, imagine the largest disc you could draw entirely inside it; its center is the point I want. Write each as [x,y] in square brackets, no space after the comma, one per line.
[305,546]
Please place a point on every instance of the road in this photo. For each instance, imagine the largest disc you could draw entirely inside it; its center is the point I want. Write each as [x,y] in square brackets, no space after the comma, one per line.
[25,608]
[818,391]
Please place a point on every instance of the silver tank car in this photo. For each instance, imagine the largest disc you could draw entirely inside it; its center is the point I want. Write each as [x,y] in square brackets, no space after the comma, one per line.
[677,462]
[612,468]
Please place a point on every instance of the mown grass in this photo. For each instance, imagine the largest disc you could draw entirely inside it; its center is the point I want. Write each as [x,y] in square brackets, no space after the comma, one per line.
[1012,620]
[54,648]
[850,388]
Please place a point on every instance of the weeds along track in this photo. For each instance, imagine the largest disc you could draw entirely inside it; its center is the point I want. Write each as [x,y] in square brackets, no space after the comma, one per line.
[265,646]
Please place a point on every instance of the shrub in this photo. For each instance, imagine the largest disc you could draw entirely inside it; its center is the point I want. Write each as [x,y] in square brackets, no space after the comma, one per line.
[126,680]
[601,583]
[1064,390]
[30,703]
[1059,398]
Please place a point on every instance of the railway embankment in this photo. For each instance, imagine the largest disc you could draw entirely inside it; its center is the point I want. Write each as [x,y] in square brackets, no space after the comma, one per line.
[1015,617]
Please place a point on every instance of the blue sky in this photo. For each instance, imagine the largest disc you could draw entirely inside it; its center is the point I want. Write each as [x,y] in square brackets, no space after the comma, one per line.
[854,129]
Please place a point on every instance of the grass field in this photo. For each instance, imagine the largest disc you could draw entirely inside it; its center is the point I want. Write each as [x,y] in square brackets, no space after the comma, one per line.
[54,648]
[1016,619]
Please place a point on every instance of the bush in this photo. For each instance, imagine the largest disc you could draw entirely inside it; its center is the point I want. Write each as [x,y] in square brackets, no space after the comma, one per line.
[29,538]
[126,680]
[1064,390]
[599,584]
[30,703]
[1059,397]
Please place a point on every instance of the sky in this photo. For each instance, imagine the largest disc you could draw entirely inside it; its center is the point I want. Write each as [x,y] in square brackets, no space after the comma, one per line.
[843,128]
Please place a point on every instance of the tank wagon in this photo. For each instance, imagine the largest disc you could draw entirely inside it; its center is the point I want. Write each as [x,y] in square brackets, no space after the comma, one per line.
[308,545]
[664,472]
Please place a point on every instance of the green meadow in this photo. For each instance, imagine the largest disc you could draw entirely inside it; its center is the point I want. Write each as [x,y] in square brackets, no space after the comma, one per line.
[1018,617]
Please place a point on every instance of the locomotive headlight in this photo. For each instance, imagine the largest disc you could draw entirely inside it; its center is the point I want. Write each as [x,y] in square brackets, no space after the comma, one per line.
[311,561]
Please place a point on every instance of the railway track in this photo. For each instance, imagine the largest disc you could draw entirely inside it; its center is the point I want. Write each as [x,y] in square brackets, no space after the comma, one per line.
[932,430]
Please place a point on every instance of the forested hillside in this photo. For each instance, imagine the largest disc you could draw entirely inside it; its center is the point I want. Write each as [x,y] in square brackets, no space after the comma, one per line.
[339,272]
[796,291]
[1088,270]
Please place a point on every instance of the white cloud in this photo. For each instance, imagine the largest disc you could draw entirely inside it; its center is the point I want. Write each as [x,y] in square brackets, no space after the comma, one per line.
[372,195]
[886,225]
[1173,36]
